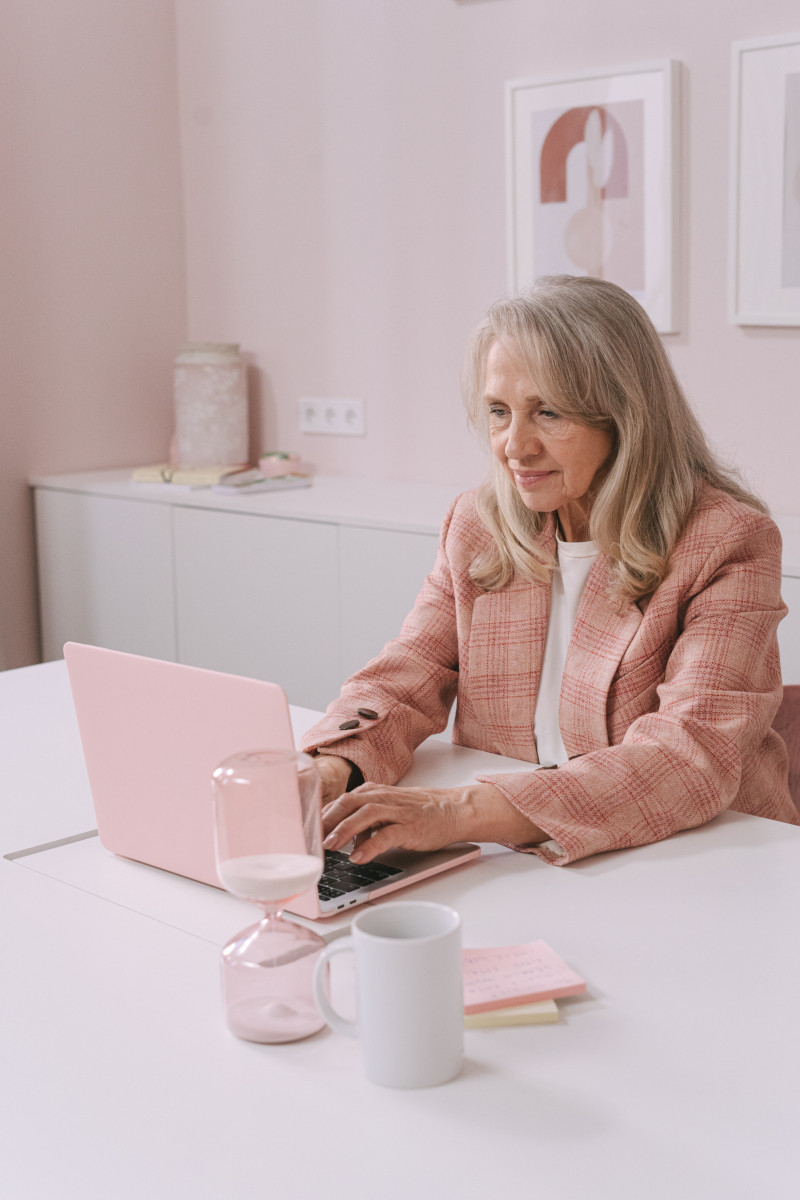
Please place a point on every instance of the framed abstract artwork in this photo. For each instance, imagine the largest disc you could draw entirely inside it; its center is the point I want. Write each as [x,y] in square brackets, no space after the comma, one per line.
[764,259]
[591,181]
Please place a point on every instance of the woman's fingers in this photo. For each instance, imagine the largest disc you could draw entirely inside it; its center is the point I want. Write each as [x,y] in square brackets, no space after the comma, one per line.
[381,817]
[368,816]
[390,837]
[340,807]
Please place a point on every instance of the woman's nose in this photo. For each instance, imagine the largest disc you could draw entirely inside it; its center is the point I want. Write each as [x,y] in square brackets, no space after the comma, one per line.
[522,442]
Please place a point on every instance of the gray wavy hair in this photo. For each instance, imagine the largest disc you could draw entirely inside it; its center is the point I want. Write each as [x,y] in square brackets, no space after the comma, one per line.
[597,359]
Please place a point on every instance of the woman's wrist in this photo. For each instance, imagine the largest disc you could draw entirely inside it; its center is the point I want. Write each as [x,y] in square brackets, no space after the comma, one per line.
[337,775]
[485,815]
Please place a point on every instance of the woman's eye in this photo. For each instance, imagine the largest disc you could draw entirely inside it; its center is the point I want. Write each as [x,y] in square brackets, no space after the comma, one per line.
[548,412]
[497,413]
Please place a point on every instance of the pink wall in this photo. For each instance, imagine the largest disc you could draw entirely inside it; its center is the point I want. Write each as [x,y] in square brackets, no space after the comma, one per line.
[345,211]
[335,171]
[91,240]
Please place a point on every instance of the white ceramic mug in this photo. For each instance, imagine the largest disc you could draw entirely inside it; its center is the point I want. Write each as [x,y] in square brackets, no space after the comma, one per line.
[409,992]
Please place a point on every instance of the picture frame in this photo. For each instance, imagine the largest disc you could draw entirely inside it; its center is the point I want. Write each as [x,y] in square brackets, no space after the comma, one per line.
[592,179]
[764,248]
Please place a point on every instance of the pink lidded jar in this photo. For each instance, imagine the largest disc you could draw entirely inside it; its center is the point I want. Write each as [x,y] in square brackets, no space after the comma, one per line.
[211,420]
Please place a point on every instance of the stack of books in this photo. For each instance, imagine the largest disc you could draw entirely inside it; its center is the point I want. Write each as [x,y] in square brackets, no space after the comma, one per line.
[515,985]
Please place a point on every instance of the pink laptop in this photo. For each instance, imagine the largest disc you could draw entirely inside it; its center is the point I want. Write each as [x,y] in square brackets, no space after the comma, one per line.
[152,733]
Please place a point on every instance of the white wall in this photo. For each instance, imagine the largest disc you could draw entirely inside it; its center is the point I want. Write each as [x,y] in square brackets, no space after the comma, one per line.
[345,184]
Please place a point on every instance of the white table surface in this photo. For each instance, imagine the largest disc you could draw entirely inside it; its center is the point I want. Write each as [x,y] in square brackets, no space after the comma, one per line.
[44,785]
[678,1076]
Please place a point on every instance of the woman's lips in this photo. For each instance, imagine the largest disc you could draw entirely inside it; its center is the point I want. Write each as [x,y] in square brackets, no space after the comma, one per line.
[527,478]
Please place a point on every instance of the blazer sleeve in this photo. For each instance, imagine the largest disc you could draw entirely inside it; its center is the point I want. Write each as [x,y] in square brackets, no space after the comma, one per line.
[681,765]
[411,685]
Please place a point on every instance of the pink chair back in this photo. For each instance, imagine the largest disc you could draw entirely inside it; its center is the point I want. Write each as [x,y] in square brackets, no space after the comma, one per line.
[787,724]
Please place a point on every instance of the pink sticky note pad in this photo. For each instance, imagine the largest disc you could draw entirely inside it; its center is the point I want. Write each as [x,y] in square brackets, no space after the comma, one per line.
[501,976]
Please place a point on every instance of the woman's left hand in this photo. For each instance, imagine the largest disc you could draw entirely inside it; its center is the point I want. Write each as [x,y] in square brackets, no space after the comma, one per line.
[382,818]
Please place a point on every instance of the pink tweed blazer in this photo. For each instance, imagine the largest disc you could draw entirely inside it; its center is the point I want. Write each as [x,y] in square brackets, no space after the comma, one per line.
[666,707]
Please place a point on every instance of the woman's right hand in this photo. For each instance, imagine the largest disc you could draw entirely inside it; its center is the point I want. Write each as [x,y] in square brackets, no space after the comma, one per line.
[335,775]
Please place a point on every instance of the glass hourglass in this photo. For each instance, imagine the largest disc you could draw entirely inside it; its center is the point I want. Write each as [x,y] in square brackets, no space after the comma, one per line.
[268,840]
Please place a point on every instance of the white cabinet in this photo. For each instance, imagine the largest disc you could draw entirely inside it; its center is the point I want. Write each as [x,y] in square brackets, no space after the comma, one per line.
[381,572]
[257,597]
[297,587]
[300,587]
[105,573]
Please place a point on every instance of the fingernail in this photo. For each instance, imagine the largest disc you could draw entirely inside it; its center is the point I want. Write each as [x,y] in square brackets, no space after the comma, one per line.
[356,856]
[329,840]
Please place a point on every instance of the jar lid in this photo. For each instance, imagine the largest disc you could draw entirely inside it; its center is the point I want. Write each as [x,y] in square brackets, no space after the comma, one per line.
[196,349]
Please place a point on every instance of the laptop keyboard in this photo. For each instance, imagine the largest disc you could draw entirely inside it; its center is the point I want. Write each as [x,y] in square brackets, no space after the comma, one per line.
[341,876]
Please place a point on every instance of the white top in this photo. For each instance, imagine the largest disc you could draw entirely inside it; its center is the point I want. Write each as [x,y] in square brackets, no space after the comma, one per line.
[569,579]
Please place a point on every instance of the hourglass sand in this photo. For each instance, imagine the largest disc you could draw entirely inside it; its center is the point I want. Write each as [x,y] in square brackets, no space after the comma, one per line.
[268,840]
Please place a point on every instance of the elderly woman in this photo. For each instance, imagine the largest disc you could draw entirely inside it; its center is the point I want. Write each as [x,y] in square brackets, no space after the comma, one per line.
[606,605]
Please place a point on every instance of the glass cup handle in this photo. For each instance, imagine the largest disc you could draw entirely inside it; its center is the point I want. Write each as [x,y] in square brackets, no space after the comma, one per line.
[340,1024]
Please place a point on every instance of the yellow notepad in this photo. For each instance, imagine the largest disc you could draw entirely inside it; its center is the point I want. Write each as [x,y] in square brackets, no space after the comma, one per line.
[541,1012]
[182,475]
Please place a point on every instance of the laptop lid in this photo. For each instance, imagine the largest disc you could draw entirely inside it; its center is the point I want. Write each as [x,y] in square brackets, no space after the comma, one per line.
[152,733]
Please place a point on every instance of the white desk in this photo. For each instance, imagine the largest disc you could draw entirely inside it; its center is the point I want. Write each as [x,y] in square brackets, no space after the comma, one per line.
[678,1077]
[44,786]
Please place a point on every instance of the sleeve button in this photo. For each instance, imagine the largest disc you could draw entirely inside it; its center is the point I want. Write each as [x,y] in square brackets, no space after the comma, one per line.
[368,714]
[353,724]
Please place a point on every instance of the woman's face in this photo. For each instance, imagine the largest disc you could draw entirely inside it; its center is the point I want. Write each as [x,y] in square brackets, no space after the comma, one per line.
[552,460]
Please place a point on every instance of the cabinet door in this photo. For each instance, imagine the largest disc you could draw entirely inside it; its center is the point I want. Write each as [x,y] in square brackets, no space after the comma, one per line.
[789,631]
[381,572]
[105,573]
[257,596]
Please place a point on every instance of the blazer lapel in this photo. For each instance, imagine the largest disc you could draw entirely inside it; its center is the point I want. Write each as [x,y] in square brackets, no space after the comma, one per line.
[507,640]
[603,631]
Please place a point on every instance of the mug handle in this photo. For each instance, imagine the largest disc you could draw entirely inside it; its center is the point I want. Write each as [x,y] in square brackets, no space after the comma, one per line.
[340,1024]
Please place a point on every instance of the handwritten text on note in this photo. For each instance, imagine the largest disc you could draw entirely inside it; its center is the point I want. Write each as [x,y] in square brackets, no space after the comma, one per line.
[499,976]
